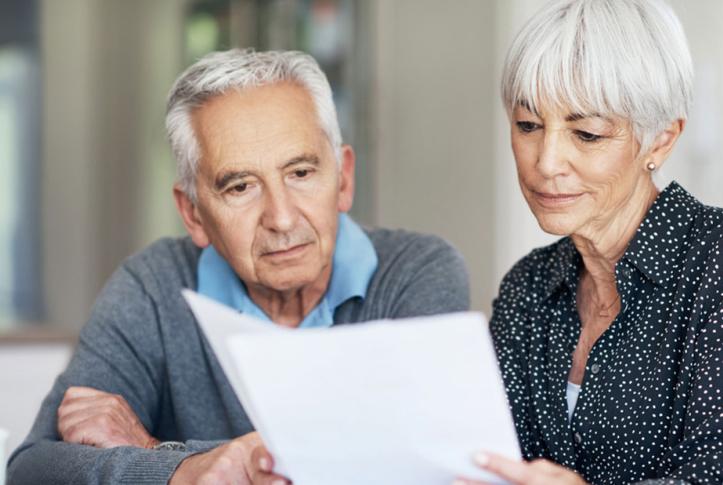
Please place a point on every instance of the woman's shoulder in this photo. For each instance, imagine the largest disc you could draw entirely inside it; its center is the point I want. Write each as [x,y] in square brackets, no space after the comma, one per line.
[532,276]
[703,238]
[704,250]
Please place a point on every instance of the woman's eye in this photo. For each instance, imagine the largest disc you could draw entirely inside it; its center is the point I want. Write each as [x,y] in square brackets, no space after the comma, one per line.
[586,136]
[527,126]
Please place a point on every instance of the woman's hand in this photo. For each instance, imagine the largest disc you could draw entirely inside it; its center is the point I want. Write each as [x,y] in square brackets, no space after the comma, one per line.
[536,472]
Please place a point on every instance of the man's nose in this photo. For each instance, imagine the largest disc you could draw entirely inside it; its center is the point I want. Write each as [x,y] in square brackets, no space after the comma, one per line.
[553,155]
[279,211]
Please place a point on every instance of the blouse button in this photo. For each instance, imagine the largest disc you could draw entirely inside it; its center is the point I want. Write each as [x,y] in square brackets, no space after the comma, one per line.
[578,438]
[595,368]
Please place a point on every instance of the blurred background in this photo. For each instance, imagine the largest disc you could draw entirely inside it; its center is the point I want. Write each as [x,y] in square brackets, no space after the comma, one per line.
[86,173]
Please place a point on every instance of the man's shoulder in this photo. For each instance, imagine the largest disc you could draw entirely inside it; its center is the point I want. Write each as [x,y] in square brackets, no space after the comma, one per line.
[166,255]
[406,256]
[417,274]
[166,264]
[392,244]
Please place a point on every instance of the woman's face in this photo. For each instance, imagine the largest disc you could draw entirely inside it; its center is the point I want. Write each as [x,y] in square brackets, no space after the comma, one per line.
[578,173]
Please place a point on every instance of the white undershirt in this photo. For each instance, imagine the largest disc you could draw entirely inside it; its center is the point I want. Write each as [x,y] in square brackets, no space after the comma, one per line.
[573,391]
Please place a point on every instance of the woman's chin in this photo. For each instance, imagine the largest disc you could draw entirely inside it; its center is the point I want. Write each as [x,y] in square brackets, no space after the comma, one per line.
[556,226]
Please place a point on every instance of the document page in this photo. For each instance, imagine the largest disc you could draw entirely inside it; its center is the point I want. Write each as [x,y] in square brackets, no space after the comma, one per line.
[403,402]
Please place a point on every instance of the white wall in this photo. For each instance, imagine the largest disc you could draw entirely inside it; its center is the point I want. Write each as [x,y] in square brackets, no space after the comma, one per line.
[27,371]
[434,133]
[697,161]
[107,67]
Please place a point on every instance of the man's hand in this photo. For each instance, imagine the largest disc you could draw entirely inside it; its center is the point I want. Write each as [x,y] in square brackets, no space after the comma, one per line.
[243,461]
[536,472]
[91,417]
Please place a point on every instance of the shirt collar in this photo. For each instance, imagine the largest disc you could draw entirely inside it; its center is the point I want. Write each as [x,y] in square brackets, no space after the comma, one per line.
[353,265]
[655,250]
[664,235]
[564,267]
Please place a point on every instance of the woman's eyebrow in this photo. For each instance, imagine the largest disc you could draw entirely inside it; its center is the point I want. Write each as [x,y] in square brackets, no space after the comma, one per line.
[580,116]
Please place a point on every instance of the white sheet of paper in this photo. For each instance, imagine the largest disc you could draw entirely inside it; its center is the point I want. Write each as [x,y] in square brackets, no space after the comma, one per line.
[405,402]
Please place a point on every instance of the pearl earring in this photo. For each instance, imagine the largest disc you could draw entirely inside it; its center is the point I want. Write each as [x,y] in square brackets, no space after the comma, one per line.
[652,166]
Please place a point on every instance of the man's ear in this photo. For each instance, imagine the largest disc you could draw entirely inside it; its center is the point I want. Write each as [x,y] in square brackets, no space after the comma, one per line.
[664,143]
[346,178]
[191,217]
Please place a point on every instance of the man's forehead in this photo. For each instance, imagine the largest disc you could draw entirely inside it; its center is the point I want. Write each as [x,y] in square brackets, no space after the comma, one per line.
[276,99]
[273,128]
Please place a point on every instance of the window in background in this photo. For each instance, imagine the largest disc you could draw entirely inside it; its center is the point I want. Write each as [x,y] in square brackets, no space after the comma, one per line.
[326,29]
[20,269]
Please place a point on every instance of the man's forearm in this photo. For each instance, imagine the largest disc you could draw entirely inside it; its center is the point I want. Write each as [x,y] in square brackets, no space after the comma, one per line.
[54,462]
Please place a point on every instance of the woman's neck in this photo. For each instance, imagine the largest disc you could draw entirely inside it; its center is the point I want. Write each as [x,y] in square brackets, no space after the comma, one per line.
[602,246]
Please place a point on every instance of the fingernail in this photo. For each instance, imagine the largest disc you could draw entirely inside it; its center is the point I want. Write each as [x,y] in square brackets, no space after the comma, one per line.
[481,459]
[278,482]
[264,464]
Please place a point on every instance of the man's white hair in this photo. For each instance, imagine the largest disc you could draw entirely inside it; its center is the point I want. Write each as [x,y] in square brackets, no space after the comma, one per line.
[626,58]
[219,72]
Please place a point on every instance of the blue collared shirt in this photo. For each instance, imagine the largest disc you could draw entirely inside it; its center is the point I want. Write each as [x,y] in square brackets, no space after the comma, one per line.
[353,266]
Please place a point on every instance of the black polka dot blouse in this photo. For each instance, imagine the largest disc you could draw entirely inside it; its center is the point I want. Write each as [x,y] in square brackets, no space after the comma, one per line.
[651,402]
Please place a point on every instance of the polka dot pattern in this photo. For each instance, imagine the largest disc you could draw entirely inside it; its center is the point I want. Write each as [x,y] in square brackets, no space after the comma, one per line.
[651,402]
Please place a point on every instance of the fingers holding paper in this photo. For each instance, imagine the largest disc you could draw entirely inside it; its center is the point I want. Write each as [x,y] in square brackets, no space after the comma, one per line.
[243,461]
[536,472]
[262,468]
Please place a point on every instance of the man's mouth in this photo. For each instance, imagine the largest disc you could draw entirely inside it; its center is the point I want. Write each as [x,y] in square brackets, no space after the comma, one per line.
[290,252]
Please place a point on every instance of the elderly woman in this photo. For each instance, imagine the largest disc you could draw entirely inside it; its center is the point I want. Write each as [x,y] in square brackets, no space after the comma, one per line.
[610,341]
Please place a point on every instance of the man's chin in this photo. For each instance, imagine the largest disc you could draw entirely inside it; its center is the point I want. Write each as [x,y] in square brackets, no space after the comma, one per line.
[289,279]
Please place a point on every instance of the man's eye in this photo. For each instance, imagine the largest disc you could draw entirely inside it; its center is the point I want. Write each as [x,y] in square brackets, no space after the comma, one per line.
[527,126]
[239,188]
[587,137]
[301,173]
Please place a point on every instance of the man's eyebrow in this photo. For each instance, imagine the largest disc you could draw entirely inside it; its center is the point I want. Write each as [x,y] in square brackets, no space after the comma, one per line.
[226,177]
[305,158]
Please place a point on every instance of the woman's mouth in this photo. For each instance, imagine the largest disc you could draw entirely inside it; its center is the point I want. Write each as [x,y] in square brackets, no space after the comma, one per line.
[556,199]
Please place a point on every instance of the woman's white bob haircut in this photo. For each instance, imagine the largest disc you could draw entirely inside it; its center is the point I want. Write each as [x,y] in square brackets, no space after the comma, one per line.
[626,58]
[219,72]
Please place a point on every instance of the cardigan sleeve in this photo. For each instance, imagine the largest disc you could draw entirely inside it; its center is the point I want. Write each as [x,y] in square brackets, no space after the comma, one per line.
[120,352]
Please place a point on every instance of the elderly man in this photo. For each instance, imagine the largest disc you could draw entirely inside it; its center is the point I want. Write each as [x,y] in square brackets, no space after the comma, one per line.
[264,184]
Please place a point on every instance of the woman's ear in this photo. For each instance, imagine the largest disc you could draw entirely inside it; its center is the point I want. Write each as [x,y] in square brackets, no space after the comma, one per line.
[663,144]
[191,217]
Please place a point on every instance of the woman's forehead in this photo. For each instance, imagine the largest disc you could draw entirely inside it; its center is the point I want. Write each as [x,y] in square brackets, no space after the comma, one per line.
[567,112]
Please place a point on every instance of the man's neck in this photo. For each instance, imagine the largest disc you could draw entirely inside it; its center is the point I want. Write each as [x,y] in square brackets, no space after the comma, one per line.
[290,307]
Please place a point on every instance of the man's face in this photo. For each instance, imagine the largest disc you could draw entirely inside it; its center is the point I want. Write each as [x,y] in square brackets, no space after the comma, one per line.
[269,187]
